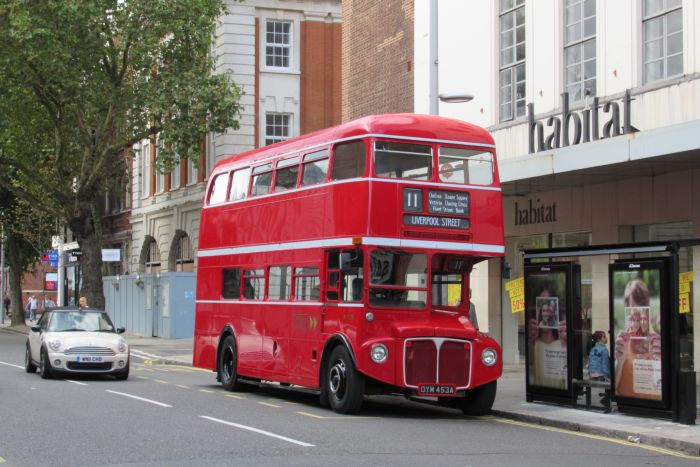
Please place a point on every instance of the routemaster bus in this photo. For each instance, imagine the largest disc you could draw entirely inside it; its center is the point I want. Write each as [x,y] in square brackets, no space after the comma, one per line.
[339,261]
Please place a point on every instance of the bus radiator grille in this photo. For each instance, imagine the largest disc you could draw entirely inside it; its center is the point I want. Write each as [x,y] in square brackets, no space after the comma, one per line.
[437,361]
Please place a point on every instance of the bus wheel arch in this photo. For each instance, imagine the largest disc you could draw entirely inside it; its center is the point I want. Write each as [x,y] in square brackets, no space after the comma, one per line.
[342,385]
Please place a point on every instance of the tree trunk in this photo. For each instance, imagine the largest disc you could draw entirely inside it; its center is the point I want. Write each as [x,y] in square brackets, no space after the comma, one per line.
[15,262]
[91,259]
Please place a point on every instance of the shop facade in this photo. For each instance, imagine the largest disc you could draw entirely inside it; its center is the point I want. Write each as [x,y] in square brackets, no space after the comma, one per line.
[595,110]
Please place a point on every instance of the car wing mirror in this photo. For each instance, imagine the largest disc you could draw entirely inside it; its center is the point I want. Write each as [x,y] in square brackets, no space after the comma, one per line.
[36,329]
[121,330]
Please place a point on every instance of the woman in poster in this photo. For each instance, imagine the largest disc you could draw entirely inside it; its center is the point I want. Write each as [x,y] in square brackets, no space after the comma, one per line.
[636,344]
[547,334]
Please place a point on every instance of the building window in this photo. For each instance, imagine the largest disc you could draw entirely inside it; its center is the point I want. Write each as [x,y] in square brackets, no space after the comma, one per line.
[175,174]
[192,168]
[278,43]
[579,48]
[184,261]
[662,24]
[160,176]
[153,257]
[146,169]
[511,77]
[277,127]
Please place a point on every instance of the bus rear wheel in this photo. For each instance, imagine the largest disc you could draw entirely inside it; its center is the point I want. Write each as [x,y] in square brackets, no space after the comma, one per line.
[345,386]
[478,401]
[228,362]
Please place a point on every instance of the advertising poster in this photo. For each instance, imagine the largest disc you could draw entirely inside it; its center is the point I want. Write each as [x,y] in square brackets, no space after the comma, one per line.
[546,327]
[636,315]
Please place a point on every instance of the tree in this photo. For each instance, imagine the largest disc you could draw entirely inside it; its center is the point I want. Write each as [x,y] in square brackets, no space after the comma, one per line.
[27,234]
[81,82]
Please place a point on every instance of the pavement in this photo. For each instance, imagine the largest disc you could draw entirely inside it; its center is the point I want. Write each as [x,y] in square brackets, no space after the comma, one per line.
[510,402]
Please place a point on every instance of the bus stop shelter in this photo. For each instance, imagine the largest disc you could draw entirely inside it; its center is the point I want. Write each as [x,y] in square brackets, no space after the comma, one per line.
[639,296]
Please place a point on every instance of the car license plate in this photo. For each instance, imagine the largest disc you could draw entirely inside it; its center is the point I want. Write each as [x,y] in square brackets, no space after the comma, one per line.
[448,390]
[88,359]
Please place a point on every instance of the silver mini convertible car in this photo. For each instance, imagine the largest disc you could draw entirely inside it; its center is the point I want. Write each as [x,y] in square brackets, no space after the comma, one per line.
[76,341]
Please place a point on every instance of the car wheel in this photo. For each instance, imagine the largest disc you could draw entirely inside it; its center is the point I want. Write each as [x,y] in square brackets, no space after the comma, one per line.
[479,401]
[123,374]
[29,367]
[45,365]
[228,363]
[345,385]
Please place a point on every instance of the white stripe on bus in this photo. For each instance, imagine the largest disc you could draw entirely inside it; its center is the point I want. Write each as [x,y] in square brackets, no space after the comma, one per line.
[347,241]
[273,302]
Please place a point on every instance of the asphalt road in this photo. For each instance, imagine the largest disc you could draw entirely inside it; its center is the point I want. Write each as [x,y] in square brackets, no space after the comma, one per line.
[167,415]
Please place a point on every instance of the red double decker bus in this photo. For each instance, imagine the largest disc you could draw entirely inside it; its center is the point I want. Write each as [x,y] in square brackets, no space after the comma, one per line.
[340,261]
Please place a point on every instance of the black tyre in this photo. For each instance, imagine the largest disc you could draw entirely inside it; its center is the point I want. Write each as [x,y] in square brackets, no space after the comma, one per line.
[123,374]
[228,363]
[29,367]
[479,401]
[45,365]
[345,385]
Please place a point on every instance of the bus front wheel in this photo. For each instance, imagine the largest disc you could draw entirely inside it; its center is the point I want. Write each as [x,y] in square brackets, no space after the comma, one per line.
[478,401]
[345,386]
[228,361]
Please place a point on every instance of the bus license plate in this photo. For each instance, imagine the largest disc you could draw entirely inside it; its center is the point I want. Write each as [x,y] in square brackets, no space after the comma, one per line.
[89,359]
[437,390]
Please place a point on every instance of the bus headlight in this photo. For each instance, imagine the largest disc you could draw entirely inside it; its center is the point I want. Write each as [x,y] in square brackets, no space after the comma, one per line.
[489,357]
[379,353]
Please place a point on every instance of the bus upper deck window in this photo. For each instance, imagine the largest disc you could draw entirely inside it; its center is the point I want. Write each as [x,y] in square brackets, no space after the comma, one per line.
[315,168]
[287,173]
[218,189]
[459,165]
[262,179]
[239,184]
[402,160]
[349,160]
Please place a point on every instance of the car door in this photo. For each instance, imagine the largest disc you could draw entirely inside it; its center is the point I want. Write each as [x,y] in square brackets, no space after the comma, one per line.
[35,336]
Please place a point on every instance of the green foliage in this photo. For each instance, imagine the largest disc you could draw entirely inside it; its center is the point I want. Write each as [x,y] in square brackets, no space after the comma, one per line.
[81,81]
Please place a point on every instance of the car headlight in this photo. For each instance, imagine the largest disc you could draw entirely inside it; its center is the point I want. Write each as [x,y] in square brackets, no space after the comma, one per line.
[489,357]
[379,353]
[122,346]
[54,344]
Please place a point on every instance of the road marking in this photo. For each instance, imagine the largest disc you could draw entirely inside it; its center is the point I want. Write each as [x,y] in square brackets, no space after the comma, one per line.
[235,396]
[208,391]
[182,386]
[10,364]
[267,404]
[76,382]
[597,437]
[256,430]
[161,381]
[338,417]
[139,398]
[2,461]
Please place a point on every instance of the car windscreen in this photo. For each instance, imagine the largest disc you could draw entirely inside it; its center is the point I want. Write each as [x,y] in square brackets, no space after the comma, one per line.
[80,321]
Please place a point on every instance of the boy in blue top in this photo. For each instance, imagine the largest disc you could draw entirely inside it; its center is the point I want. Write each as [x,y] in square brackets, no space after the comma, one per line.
[599,358]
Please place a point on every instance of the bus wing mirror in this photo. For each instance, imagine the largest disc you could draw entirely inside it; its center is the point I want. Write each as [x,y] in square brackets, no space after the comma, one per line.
[345,262]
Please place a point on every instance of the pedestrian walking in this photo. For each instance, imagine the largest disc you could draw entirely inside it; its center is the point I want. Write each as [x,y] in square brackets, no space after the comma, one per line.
[6,303]
[33,304]
[49,303]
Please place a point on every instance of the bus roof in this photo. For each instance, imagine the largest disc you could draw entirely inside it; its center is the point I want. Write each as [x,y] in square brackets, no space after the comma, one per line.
[401,125]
